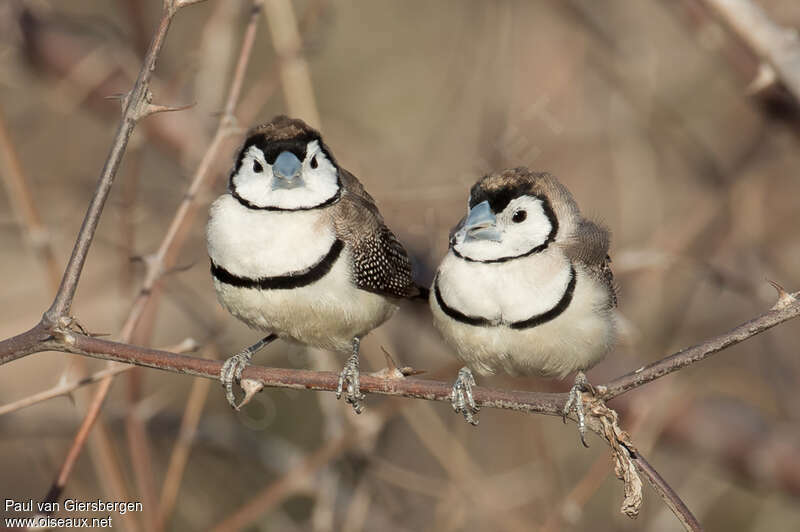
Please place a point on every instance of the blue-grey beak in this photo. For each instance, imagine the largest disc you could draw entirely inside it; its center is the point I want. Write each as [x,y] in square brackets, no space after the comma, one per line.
[480,224]
[287,171]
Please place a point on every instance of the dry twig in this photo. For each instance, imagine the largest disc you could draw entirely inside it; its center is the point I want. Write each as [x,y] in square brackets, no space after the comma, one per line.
[778,48]
[57,331]
[38,339]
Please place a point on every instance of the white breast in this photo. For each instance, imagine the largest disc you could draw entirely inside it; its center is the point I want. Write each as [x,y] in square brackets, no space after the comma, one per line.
[327,313]
[576,339]
[507,291]
[259,243]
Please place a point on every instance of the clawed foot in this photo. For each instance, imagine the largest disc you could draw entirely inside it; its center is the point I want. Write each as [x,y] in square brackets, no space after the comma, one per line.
[461,396]
[232,370]
[575,402]
[233,367]
[348,382]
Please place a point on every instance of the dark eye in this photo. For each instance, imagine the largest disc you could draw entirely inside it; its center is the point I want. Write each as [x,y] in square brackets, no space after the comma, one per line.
[519,217]
[314,162]
[257,168]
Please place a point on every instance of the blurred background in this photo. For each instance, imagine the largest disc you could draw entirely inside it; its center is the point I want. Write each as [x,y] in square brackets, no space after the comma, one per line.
[647,111]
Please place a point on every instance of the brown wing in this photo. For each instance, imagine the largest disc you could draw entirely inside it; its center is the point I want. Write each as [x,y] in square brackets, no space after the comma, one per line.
[589,246]
[380,263]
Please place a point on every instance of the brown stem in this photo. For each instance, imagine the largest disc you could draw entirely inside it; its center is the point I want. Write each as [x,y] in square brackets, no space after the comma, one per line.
[38,339]
[168,250]
[666,492]
[137,105]
[135,108]
[790,308]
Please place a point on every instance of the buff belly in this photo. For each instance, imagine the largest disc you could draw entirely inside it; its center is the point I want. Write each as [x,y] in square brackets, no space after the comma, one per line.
[327,314]
[575,340]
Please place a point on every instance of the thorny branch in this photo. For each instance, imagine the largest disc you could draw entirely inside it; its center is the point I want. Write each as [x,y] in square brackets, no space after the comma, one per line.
[167,252]
[57,332]
[788,307]
[137,104]
[68,341]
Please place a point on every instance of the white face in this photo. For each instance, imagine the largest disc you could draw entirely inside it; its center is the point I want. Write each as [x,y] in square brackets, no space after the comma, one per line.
[523,227]
[309,183]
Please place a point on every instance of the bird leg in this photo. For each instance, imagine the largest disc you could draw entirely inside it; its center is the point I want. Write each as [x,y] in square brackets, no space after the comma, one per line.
[575,402]
[348,380]
[461,396]
[233,367]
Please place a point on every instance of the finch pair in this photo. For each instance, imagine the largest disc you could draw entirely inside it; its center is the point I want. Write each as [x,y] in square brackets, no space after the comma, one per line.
[300,251]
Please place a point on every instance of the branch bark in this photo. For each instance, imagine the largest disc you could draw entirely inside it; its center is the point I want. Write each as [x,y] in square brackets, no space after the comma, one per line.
[787,307]
[137,105]
[66,340]
[56,322]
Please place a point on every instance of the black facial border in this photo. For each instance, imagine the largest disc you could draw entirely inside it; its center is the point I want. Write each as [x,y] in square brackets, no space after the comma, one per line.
[500,200]
[297,146]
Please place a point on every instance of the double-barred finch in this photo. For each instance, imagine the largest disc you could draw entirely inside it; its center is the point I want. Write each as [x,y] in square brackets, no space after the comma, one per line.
[299,250]
[526,286]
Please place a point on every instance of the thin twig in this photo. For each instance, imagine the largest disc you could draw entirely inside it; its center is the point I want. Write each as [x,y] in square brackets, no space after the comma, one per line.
[788,307]
[136,106]
[38,339]
[54,334]
[176,234]
[666,492]
[75,449]
[775,46]
[66,388]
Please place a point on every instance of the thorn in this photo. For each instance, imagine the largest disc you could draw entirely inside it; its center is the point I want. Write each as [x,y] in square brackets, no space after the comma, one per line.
[391,371]
[250,387]
[391,365]
[152,108]
[784,298]
[124,98]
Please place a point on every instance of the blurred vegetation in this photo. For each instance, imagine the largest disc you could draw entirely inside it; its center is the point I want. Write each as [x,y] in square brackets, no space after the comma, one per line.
[641,108]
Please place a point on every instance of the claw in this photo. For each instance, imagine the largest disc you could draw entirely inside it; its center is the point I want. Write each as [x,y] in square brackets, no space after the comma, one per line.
[461,396]
[575,402]
[348,381]
[233,367]
[232,370]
